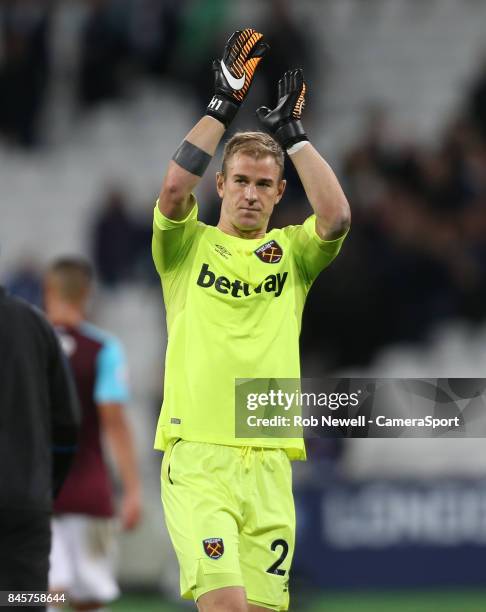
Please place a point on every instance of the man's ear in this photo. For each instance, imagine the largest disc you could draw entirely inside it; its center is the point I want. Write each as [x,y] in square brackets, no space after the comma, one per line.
[281,190]
[220,184]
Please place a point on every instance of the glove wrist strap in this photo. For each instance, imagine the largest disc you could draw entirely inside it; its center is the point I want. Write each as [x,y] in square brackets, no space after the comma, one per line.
[222,109]
[297,147]
[290,134]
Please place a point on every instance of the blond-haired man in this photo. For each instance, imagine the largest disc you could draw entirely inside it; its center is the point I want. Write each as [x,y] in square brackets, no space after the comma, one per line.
[234,296]
[82,563]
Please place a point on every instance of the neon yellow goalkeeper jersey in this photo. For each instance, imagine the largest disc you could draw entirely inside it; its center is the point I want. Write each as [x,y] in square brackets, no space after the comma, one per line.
[234,309]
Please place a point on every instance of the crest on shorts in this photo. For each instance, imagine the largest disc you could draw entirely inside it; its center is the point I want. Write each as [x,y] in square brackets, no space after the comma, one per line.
[270,252]
[213,547]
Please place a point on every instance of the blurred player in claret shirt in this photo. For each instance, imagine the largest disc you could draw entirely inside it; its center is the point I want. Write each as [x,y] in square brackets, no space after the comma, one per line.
[83,526]
[234,296]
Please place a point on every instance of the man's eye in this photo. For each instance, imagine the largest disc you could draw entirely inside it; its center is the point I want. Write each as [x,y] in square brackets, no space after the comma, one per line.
[239,180]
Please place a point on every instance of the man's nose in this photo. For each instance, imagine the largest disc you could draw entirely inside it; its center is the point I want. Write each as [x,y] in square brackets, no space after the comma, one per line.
[250,193]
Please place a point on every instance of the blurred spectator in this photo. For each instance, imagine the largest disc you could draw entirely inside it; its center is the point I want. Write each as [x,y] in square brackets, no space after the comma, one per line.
[104,53]
[25,281]
[154,33]
[202,35]
[24,70]
[121,243]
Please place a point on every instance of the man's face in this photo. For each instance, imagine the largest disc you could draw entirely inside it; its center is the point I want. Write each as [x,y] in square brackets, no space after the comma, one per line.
[249,190]
[55,300]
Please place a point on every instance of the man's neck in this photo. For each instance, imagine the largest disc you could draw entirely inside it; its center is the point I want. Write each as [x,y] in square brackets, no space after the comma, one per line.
[231,230]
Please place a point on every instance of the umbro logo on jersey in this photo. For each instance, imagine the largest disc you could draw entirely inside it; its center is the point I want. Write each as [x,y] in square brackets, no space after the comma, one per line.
[223,251]
[273,283]
[270,252]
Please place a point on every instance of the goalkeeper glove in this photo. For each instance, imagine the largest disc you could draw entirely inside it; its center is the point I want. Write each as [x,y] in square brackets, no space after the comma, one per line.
[283,122]
[234,73]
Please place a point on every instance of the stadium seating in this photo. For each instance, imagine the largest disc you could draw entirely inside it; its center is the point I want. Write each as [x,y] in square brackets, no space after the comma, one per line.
[455,350]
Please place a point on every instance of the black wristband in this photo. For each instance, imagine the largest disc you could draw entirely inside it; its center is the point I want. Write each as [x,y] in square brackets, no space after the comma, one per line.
[290,133]
[192,158]
[222,109]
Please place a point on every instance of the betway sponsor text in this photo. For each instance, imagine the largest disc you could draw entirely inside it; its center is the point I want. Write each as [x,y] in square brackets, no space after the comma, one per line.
[273,283]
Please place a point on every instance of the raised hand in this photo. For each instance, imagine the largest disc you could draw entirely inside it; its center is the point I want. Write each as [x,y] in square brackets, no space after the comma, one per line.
[233,74]
[283,122]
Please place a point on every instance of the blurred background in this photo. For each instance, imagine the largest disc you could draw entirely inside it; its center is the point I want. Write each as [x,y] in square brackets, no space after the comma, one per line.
[95,96]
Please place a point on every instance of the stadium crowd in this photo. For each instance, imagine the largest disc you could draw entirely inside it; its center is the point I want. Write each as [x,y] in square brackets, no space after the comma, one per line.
[418,243]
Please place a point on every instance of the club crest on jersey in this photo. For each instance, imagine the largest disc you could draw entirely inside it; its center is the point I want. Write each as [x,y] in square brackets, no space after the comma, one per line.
[214,547]
[270,252]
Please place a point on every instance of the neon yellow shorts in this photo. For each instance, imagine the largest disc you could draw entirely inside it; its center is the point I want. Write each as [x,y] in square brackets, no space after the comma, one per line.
[231,518]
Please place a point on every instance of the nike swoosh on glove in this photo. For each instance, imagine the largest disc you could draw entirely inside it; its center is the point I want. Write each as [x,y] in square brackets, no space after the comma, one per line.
[233,74]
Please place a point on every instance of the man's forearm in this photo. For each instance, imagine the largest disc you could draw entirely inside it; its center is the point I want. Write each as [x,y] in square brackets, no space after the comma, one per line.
[179,183]
[233,75]
[121,444]
[206,134]
[320,183]
[323,192]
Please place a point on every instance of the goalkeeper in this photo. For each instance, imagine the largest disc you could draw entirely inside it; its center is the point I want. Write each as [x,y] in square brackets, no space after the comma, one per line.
[234,296]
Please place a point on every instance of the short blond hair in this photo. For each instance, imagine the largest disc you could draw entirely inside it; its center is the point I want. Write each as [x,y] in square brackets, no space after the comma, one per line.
[73,277]
[256,145]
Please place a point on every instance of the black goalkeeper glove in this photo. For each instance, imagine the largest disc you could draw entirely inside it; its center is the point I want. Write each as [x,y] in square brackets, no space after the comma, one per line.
[283,122]
[234,73]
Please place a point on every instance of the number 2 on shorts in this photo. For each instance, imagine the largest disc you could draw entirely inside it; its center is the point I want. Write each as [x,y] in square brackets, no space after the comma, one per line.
[274,569]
